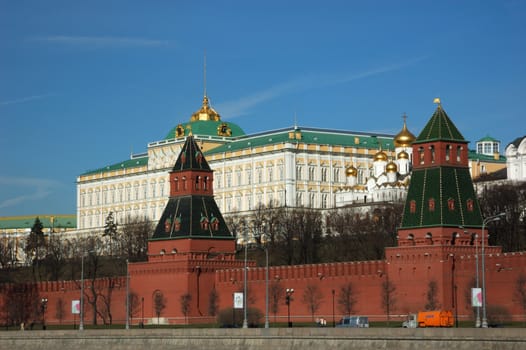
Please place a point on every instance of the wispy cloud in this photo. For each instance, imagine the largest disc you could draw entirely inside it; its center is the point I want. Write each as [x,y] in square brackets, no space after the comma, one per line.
[23,99]
[30,189]
[238,108]
[98,42]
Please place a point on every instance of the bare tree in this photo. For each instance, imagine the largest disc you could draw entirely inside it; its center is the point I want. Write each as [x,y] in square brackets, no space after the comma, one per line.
[159,304]
[213,302]
[520,292]
[60,310]
[277,292]
[55,259]
[388,297]
[509,199]
[432,292]
[134,304]
[133,239]
[346,298]
[312,297]
[7,256]
[185,305]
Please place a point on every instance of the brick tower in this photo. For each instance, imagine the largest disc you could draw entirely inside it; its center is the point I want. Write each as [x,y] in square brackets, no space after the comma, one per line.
[440,210]
[191,241]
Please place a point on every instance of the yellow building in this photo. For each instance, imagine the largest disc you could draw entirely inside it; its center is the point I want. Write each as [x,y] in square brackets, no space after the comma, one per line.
[296,166]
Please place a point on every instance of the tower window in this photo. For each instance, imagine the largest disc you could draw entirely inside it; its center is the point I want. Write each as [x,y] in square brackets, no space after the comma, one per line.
[451,204]
[431,204]
[469,204]
[421,154]
[412,206]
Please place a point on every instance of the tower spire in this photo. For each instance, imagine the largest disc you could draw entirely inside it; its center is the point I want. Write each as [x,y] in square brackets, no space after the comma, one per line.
[204,74]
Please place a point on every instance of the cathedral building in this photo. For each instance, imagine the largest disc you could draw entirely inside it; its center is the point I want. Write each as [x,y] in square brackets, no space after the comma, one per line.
[388,178]
[516,159]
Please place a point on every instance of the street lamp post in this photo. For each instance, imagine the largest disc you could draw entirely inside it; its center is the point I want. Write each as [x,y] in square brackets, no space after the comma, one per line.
[44,308]
[333,319]
[245,321]
[477,321]
[81,322]
[288,299]
[484,223]
[245,240]
[266,287]
[142,312]
[127,295]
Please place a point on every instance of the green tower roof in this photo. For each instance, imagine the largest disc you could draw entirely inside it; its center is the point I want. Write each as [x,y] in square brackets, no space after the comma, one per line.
[441,196]
[440,127]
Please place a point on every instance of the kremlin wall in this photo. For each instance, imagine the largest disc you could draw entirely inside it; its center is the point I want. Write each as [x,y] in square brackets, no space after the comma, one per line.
[192,254]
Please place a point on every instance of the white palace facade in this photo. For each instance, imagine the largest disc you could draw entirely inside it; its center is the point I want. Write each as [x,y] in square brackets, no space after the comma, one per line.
[293,167]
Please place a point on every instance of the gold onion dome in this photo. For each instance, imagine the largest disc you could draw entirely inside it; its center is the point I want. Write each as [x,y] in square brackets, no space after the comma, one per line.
[206,112]
[391,167]
[403,155]
[404,138]
[351,171]
[380,156]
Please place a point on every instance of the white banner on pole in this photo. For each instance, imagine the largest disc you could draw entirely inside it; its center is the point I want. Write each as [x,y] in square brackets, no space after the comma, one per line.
[238,300]
[476,297]
[75,307]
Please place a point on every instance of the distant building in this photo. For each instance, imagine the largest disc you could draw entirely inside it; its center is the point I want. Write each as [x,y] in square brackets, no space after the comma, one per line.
[15,229]
[516,159]
[387,179]
[485,161]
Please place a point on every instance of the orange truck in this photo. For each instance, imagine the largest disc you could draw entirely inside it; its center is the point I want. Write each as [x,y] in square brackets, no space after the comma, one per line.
[439,318]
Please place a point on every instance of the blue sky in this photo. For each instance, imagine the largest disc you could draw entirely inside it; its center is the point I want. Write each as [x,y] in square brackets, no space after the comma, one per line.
[84,83]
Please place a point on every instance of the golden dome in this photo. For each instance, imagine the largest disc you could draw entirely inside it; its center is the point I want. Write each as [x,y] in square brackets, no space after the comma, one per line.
[403,155]
[351,171]
[380,156]
[391,167]
[404,138]
[205,113]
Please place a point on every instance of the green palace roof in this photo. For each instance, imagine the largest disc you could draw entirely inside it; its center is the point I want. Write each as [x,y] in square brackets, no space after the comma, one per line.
[310,136]
[27,221]
[127,164]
